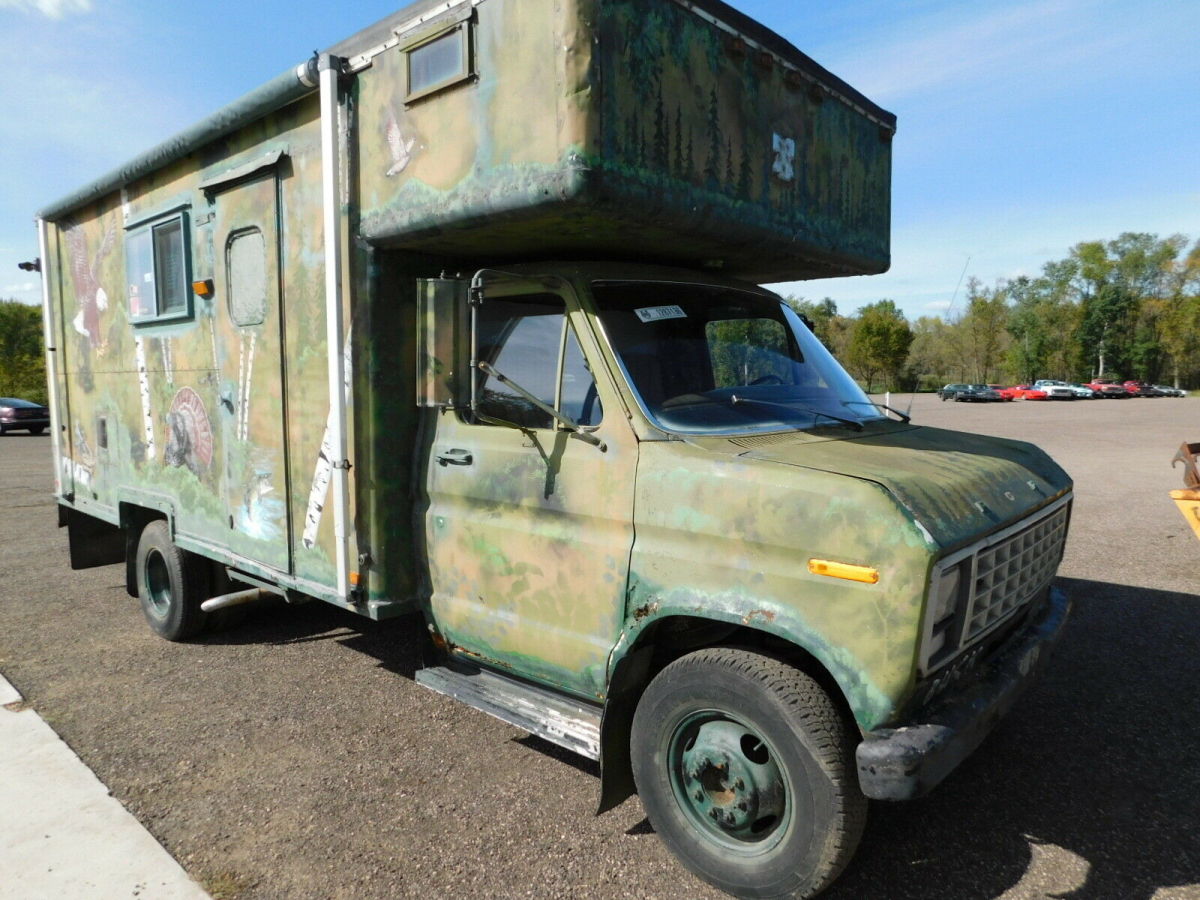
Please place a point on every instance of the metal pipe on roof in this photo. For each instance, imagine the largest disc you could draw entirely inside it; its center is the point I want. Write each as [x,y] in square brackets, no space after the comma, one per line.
[296,82]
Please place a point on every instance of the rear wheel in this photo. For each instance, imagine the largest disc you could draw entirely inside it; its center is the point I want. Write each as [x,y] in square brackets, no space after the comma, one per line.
[172,584]
[746,771]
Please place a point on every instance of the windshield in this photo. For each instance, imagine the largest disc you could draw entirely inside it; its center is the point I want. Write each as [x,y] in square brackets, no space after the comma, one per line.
[714,360]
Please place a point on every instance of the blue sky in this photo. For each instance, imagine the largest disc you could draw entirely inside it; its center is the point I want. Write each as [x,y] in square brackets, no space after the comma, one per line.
[1024,127]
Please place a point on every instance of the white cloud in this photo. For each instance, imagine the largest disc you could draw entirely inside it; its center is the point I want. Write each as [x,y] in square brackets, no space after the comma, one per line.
[23,288]
[951,52]
[54,9]
[938,305]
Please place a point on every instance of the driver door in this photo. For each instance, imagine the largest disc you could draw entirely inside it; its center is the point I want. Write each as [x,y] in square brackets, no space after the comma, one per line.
[529,528]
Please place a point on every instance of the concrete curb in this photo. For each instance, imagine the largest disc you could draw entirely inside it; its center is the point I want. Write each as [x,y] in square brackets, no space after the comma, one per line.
[61,833]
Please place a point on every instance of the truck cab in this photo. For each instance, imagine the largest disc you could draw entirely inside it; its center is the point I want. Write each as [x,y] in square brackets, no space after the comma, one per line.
[645,471]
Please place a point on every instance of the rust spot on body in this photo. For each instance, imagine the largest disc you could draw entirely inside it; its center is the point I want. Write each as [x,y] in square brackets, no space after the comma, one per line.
[766,615]
[641,612]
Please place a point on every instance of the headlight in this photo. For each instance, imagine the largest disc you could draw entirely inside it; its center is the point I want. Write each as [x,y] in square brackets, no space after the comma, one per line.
[945,592]
[943,603]
[6,410]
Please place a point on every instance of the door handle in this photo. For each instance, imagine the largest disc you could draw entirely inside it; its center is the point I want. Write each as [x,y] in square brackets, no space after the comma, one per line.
[455,457]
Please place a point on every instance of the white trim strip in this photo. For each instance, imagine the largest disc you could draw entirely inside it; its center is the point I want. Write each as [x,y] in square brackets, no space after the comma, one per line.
[51,364]
[334,324]
[139,349]
[363,60]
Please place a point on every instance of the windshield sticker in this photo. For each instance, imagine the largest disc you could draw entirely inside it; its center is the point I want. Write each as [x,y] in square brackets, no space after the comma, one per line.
[658,313]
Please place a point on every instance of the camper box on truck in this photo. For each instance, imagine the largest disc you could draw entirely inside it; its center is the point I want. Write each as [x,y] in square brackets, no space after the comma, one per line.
[460,318]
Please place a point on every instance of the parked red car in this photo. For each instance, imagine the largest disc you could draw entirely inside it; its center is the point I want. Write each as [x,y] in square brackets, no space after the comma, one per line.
[1109,390]
[1029,392]
[1141,389]
[1006,393]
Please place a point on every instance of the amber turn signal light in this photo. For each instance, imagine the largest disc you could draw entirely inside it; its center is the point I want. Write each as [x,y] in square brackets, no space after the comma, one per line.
[865,574]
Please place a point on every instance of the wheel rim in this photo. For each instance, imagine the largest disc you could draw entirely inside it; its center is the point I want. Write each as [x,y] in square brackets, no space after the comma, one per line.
[727,782]
[158,583]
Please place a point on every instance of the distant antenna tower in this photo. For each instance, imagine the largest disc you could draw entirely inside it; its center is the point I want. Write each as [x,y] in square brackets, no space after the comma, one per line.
[957,286]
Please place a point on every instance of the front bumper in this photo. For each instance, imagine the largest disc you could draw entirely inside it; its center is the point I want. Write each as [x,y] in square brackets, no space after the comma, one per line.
[907,762]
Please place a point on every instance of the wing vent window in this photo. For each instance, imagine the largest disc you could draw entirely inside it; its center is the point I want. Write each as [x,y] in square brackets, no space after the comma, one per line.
[246,270]
[158,269]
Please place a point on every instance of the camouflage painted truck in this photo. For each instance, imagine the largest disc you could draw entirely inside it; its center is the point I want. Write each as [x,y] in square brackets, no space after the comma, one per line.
[460,319]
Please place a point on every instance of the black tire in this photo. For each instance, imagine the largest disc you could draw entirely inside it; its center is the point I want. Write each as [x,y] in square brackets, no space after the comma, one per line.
[37,430]
[172,584]
[746,770]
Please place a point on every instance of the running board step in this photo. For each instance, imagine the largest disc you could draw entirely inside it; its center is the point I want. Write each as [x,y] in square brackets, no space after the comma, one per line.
[561,720]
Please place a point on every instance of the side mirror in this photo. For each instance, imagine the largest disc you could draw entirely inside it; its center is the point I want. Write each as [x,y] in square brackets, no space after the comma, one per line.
[442,330]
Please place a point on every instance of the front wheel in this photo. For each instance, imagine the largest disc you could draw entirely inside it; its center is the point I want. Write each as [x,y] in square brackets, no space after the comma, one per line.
[746,770]
[172,584]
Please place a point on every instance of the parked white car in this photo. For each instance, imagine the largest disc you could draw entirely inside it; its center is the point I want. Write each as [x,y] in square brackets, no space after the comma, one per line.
[1055,390]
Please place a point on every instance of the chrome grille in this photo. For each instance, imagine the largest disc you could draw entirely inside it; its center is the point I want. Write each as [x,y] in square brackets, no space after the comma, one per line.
[1008,574]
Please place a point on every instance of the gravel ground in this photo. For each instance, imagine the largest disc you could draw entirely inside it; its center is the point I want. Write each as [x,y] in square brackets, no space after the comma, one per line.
[296,758]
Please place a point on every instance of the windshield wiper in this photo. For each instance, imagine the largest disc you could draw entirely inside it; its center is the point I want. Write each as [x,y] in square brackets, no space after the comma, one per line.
[905,417]
[734,400]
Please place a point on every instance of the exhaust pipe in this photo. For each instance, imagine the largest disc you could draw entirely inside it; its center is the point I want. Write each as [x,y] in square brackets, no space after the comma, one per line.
[237,598]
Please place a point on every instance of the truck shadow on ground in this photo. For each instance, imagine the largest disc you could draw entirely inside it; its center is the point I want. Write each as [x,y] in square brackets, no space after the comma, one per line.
[397,644]
[1090,790]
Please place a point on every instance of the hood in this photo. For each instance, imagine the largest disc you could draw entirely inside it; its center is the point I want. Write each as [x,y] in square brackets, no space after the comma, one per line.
[957,485]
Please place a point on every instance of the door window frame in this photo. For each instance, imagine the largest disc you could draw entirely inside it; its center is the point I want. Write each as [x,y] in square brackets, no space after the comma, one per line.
[510,288]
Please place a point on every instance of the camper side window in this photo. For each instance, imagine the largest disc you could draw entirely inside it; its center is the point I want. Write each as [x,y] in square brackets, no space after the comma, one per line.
[437,62]
[158,270]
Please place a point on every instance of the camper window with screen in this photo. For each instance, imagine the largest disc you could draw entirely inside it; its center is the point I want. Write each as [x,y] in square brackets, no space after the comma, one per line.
[439,62]
[157,268]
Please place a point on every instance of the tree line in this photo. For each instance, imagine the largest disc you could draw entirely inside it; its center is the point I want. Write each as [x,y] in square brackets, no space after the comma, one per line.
[22,354]
[1119,309]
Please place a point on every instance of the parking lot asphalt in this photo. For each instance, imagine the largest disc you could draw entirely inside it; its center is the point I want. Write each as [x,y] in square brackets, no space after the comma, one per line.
[296,757]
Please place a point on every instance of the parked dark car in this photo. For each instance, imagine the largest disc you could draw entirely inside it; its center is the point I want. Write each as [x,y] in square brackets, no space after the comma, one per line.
[951,391]
[977,393]
[21,415]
